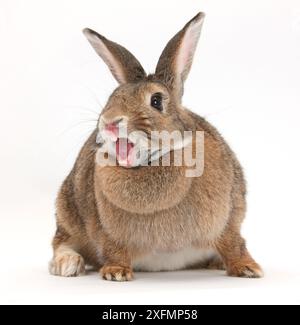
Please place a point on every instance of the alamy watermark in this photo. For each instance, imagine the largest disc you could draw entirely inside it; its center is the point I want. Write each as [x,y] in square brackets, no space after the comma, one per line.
[160,148]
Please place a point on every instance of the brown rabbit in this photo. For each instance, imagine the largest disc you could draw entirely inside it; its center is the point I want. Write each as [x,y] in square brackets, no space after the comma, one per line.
[132,216]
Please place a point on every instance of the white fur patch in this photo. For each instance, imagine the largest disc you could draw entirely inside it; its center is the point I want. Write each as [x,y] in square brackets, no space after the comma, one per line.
[253,273]
[162,261]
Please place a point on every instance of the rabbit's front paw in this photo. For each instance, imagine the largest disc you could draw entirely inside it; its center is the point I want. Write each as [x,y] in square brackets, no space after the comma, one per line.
[116,273]
[245,270]
[67,265]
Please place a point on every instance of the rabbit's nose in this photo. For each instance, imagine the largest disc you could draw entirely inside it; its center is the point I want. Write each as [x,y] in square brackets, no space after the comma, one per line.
[111,126]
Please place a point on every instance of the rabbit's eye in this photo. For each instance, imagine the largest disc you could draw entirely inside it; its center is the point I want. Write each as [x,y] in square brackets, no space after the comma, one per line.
[156,101]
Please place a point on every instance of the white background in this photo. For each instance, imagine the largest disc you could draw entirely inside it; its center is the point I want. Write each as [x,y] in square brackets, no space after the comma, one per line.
[245,80]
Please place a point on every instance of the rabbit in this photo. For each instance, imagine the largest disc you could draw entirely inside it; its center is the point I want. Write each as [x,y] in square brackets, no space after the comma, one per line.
[130,216]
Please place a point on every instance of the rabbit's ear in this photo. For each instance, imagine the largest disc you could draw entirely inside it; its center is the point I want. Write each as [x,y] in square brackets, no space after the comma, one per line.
[122,64]
[176,59]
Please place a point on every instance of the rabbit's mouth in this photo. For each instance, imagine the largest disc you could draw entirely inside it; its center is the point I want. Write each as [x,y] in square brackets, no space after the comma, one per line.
[124,152]
[128,150]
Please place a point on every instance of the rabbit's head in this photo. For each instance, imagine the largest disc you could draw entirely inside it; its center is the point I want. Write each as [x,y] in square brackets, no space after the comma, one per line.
[145,104]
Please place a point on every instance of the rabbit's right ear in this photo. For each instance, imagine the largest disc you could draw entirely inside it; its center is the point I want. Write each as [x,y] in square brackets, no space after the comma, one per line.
[176,59]
[122,64]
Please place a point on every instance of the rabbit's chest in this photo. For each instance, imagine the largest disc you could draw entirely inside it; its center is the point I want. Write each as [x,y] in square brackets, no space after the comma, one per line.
[142,191]
[169,230]
[196,220]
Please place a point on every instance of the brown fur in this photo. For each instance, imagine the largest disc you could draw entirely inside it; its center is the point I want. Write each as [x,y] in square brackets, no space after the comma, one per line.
[112,215]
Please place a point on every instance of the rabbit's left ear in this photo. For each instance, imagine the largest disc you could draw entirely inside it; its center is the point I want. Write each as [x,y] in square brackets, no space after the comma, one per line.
[176,59]
[123,65]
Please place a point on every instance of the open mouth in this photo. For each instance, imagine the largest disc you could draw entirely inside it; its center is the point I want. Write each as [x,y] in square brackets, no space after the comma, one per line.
[124,150]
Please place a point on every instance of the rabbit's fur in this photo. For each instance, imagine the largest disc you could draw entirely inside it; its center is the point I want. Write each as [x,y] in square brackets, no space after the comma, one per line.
[152,217]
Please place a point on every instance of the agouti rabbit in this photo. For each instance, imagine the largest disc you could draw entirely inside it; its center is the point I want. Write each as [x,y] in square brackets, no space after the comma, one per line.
[133,215]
